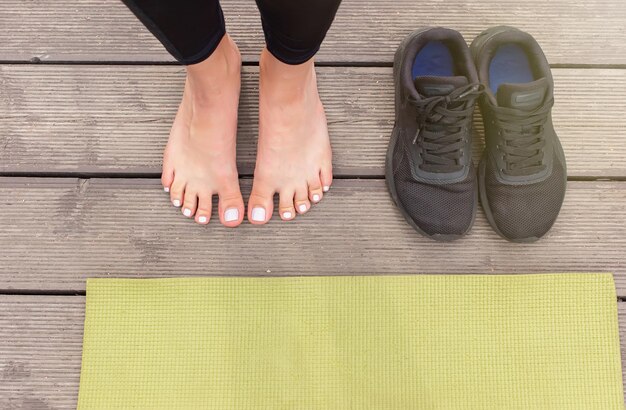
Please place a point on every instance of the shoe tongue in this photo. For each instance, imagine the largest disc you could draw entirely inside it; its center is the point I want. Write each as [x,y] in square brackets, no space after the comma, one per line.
[433,86]
[525,96]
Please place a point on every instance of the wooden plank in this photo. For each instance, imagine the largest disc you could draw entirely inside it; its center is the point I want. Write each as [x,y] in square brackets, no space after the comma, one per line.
[57,232]
[571,32]
[115,119]
[40,350]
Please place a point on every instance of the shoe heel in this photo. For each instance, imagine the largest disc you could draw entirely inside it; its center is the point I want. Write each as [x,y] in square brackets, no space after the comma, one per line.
[481,39]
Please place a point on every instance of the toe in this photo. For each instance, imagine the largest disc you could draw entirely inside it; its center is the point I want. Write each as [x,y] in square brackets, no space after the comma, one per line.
[315,189]
[190,202]
[177,192]
[302,199]
[167,177]
[261,203]
[286,205]
[326,177]
[203,213]
[231,207]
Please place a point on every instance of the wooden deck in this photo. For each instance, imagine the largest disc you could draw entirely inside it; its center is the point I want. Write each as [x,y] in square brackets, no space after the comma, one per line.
[86,100]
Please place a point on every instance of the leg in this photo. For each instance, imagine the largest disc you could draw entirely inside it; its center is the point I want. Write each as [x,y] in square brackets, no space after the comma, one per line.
[200,157]
[294,156]
[190,30]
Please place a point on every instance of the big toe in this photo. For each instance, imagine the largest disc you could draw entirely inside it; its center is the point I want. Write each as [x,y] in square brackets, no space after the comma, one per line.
[261,203]
[231,206]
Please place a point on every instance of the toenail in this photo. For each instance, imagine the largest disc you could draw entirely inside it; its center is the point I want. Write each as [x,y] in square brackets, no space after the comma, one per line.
[232,214]
[202,219]
[302,208]
[258,214]
[326,188]
[176,203]
[316,197]
[187,212]
[287,215]
[166,189]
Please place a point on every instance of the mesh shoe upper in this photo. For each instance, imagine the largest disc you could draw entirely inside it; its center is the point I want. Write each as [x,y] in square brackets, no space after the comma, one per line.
[444,209]
[525,211]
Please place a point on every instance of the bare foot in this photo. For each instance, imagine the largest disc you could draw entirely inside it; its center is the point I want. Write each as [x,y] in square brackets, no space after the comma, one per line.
[294,158]
[200,157]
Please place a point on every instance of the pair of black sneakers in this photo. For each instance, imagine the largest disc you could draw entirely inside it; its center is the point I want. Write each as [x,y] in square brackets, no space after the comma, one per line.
[521,178]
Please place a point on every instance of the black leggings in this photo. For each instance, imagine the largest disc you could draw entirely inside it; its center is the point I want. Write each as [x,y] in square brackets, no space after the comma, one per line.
[191,29]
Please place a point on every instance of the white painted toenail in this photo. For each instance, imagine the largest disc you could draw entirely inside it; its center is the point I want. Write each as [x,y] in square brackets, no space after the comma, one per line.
[326,188]
[176,203]
[316,198]
[166,189]
[302,208]
[202,219]
[258,214]
[187,212]
[287,215]
[232,214]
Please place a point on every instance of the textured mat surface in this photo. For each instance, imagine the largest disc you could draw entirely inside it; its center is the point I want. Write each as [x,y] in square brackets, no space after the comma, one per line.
[364,342]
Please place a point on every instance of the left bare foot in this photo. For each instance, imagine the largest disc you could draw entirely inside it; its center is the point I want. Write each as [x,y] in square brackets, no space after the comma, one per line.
[294,157]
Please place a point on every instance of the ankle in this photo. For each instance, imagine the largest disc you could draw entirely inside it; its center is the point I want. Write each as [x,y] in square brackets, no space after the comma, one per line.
[284,82]
[229,55]
[221,68]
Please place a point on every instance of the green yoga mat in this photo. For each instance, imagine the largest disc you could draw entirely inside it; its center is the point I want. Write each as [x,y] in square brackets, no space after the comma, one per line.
[364,342]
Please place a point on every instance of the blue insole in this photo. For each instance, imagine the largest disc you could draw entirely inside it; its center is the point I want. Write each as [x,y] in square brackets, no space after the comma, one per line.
[510,64]
[434,59]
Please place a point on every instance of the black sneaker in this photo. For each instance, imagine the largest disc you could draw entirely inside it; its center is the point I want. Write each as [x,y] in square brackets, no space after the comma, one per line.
[522,174]
[429,168]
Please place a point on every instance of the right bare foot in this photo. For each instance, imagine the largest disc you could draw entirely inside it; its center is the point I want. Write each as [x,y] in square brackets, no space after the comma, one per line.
[200,157]
[294,157]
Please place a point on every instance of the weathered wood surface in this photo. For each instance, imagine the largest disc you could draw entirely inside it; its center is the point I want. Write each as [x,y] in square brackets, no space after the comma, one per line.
[41,341]
[40,350]
[570,31]
[116,119]
[57,232]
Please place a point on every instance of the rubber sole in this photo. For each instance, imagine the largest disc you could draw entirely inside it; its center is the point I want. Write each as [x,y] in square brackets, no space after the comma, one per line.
[389,178]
